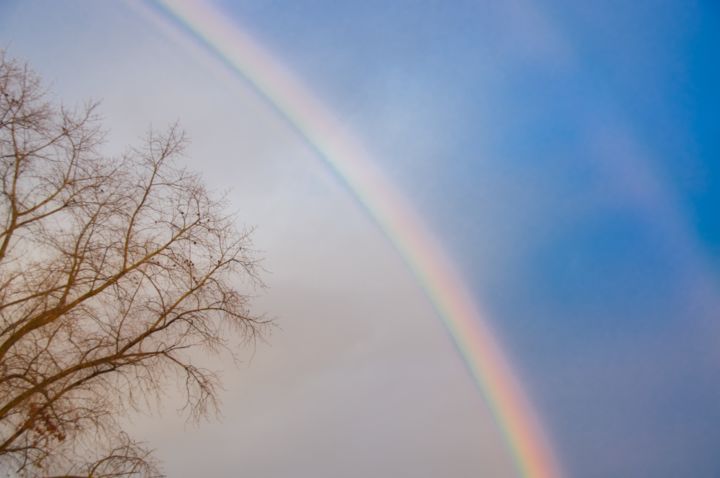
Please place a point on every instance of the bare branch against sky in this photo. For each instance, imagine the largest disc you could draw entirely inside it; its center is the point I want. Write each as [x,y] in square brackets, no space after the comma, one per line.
[112,272]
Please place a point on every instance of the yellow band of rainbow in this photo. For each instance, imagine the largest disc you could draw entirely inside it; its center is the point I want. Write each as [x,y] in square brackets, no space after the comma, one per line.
[347,159]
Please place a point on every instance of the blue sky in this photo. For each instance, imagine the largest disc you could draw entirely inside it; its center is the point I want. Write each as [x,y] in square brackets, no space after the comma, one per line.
[565,152]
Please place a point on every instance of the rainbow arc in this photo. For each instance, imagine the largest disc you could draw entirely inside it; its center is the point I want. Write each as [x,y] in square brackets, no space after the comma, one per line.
[469,328]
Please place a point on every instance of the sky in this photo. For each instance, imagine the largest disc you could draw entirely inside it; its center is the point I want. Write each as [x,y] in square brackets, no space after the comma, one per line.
[563,153]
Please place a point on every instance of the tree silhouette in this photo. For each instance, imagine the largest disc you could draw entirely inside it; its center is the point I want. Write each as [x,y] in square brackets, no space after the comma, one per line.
[113,273]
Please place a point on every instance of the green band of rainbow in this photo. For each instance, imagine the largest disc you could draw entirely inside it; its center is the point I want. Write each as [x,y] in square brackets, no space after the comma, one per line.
[348,160]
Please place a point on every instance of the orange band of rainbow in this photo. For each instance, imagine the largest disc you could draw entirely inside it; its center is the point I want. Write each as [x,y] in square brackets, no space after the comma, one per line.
[348,160]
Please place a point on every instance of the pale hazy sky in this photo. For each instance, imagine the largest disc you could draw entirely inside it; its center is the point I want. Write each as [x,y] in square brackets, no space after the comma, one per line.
[360,378]
[564,152]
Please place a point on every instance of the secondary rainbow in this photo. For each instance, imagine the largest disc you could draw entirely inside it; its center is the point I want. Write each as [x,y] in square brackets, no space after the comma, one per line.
[245,58]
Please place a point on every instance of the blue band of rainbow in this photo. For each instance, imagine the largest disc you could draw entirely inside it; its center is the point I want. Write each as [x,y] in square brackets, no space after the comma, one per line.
[348,160]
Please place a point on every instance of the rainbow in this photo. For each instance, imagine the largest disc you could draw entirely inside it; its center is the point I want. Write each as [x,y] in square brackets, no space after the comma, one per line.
[350,162]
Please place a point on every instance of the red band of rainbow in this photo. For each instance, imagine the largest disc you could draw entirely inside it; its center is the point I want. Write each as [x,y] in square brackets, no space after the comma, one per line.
[347,159]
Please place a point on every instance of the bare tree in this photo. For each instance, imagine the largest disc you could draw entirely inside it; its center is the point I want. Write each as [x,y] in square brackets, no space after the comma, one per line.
[112,272]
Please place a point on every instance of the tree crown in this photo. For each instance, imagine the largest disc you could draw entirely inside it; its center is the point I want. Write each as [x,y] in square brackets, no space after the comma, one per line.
[113,272]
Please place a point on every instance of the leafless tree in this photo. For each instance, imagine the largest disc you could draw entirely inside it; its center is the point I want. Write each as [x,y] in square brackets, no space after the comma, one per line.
[113,272]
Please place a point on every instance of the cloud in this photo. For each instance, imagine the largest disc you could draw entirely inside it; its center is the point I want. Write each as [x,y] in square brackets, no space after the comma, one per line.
[360,378]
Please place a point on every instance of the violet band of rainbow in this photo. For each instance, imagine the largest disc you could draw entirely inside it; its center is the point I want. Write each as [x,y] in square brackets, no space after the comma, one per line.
[470,330]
